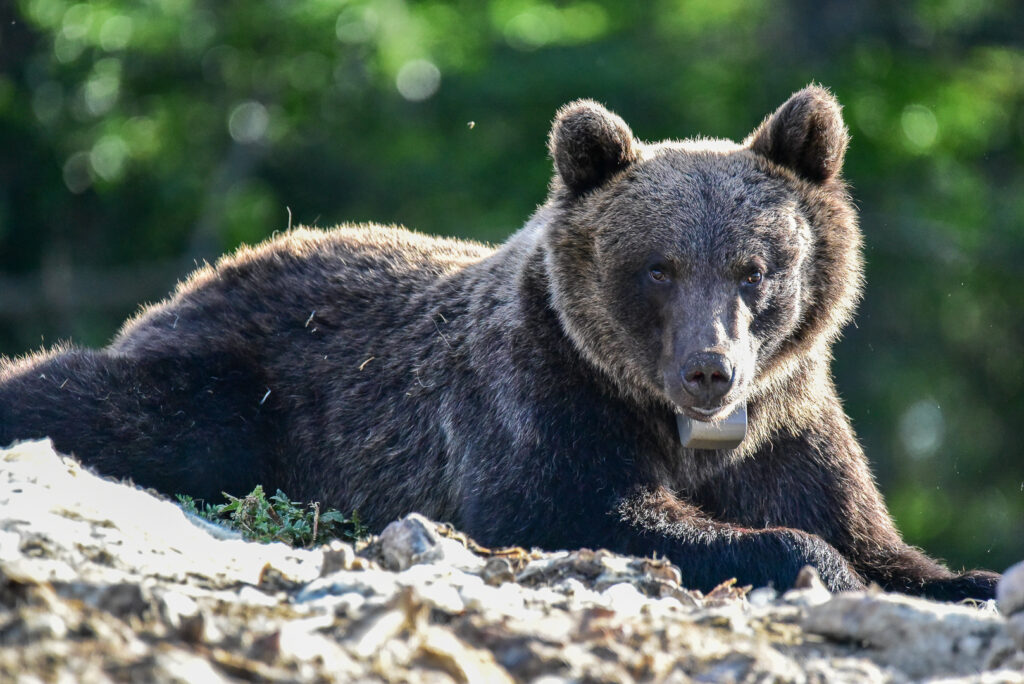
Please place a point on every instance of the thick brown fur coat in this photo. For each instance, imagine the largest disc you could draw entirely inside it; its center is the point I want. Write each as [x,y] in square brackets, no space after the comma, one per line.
[528,393]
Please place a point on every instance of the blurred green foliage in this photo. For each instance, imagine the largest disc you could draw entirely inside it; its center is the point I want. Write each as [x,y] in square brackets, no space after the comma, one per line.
[140,136]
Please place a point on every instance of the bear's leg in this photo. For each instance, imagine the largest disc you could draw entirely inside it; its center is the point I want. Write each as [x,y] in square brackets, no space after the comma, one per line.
[854,519]
[180,424]
[834,497]
[907,570]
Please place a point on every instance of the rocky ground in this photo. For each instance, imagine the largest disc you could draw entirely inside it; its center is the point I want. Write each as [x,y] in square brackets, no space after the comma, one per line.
[102,582]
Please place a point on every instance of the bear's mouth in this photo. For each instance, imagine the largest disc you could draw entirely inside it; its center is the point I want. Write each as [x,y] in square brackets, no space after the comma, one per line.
[709,414]
[704,413]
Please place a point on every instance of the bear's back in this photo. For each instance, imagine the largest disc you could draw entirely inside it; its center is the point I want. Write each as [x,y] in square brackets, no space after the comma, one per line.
[349,277]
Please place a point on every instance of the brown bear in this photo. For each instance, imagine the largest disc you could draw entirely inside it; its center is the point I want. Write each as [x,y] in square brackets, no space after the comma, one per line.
[542,393]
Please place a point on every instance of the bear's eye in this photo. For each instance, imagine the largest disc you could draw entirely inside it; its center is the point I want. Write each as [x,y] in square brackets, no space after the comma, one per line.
[657,274]
[754,278]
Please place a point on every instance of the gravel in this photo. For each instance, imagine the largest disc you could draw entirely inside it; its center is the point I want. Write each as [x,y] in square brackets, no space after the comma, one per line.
[100,581]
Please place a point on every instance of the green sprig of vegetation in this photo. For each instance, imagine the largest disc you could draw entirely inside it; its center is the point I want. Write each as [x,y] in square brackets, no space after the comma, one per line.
[278,518]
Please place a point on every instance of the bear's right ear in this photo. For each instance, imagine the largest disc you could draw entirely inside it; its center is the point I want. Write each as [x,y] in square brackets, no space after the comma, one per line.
[806,134]
[589,144]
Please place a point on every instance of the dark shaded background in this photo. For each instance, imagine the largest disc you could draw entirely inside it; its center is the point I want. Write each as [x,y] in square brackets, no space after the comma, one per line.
[140,136]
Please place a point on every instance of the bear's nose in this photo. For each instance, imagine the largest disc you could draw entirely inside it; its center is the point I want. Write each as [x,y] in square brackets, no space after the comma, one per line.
[707,377]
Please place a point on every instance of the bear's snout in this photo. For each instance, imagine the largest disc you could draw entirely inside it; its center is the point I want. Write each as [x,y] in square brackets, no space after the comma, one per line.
[707,377]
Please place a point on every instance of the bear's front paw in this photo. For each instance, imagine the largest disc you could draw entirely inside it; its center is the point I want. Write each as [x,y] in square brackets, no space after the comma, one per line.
[807,549]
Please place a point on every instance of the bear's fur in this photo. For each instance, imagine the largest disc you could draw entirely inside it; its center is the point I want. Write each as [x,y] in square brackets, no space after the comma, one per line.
[528,394]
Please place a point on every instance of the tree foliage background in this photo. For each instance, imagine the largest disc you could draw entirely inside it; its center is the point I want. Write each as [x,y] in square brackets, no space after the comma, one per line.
[140,136]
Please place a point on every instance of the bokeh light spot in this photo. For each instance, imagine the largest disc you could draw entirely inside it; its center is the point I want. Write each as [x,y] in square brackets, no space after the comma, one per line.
[356,25]
[922,428]
[103,87]
[920,128]
[75,24]
[869,113]
[76,173]
[417,80]
[66,49]
[107,157]
[143,137]
[533,28]
[248,122]
[116,33]
[47,13]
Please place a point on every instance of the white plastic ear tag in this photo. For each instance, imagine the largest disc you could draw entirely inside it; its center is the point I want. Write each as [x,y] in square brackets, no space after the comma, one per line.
[725,434]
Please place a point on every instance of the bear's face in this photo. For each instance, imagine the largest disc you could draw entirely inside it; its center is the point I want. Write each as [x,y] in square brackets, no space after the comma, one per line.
[691,273]
[700,259]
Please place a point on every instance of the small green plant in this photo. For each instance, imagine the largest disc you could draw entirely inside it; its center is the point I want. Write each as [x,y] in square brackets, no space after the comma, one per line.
[278,518]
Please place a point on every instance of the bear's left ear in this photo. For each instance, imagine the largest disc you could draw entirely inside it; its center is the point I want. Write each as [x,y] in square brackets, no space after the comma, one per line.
[806,134]
[588,144]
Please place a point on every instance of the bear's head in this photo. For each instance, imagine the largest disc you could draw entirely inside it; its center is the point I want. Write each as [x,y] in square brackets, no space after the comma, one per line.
[701,274]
